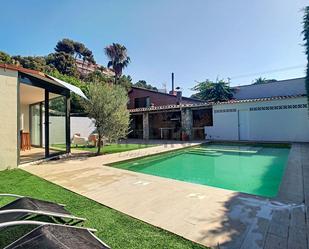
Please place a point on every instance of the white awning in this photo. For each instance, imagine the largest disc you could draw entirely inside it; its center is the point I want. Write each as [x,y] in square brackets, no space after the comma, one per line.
[72,88]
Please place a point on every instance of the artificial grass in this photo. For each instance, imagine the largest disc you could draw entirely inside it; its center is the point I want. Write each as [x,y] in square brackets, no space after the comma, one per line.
[116,229]
[109,148]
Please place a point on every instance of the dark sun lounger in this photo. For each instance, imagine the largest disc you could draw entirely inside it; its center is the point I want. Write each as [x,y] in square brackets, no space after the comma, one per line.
[55,236]
[26,208]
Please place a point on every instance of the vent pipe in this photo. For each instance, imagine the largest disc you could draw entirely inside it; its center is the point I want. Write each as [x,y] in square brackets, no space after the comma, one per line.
[172,83]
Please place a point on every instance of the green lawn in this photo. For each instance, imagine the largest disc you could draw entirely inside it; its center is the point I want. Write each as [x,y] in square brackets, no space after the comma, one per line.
[110,148]
[116,229]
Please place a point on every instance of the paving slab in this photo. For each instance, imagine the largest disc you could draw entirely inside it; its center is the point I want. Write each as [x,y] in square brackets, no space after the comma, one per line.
[297,238]
[275,242]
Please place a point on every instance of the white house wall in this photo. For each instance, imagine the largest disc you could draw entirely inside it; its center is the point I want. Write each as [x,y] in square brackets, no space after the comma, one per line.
[8,124]
[225,125]
[277,120]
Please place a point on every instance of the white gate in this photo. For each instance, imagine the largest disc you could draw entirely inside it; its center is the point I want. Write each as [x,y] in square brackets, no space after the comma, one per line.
[243,124]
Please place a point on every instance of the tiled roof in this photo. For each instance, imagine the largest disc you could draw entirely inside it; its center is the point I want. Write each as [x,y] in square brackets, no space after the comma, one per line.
[21,69]
[163,93]
[30,72]
[233,101]
[236,101]
[44,77]
[168,107]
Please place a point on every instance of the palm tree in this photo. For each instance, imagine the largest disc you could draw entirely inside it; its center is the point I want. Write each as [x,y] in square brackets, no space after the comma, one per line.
[118,58]
[213,91]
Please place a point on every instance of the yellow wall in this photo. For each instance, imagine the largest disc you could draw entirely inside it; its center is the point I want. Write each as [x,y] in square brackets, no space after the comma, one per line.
[8,116]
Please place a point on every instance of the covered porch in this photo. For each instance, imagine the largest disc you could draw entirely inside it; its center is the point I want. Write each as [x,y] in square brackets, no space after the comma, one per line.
[35,115]
[44,124]
[174,122]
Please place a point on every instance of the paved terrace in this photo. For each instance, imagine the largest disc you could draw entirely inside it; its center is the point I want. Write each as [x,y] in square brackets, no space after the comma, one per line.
[206,215]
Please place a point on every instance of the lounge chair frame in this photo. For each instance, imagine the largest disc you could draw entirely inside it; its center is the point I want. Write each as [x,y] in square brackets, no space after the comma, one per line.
[57,217]
[39,223]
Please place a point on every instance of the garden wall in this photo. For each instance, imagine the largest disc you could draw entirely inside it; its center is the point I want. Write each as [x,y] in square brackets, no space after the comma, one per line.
[276,120]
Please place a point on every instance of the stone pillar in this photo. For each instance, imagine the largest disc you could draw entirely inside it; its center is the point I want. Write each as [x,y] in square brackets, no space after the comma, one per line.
[187,122]
[145,125]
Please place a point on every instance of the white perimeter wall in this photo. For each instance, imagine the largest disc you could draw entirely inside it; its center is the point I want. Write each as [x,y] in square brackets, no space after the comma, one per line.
[264,123]
[82,125]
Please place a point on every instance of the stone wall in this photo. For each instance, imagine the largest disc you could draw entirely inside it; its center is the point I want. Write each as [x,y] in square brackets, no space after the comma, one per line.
[187,121]
[146,126]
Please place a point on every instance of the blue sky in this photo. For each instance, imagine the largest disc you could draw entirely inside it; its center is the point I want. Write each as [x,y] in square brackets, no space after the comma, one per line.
[195,39]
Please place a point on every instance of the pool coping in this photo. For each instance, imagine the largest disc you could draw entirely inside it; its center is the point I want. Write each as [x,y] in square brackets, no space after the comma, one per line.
[144,156]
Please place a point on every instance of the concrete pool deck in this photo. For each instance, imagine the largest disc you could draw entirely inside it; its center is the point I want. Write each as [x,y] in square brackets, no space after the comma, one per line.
[206,215]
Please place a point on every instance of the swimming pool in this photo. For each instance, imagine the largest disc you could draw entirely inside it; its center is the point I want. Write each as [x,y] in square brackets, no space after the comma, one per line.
[249,169]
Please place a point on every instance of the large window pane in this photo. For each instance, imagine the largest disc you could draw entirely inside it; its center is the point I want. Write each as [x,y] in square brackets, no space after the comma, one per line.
[57,118]
[36,128]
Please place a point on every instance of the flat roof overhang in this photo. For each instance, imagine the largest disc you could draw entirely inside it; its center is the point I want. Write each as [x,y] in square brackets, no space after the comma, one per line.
[50,83]
[39,79]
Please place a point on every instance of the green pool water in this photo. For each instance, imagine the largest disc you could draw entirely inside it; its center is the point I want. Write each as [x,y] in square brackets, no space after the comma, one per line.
[249,169]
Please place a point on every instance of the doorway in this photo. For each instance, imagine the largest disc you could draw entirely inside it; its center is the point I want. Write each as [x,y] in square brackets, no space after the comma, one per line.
[36,125]
[243,124]
[44,122]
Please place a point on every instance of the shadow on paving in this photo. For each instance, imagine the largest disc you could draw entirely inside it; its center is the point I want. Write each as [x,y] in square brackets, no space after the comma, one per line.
[252,222]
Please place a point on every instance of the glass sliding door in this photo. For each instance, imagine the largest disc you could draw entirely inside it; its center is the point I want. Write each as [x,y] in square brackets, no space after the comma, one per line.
[36,125]
[57,123]
[44,113]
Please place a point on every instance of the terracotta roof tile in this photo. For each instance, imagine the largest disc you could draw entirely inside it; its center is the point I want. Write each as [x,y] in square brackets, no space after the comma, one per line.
[21,69]
[233,101]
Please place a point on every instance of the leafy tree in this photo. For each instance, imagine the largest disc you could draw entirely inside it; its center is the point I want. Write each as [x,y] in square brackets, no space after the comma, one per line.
[306,39]
[96,77]
[88,56]
[63,62]
[118,58]
[34,62]
[76,49]
[107,107]
[76,102]
[261,80]
[5,58]
[125,81]
[66,46]
[143,84]
[58,106]
[213,91]
[79,49]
